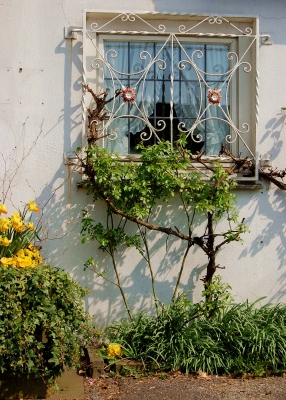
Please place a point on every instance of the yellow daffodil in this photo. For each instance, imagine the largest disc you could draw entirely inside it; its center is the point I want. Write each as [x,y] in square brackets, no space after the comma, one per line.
[34,254]
[17,222]
[7,261]
[5,241]
[37,257]
[4,224]
[114,350]
[16,218]
[19,228]
[32,206]
[30,226]
[22,260]
[3,209]
[28,253]
[20,257]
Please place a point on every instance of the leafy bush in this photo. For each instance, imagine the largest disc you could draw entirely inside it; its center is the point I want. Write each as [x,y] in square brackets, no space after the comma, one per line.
[37,303]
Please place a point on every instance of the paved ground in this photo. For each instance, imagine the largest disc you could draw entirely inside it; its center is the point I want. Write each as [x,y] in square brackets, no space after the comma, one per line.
[181,387]
[173,386]
[70,386]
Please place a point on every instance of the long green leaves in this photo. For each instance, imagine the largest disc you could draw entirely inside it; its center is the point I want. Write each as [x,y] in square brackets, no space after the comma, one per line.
[242,338]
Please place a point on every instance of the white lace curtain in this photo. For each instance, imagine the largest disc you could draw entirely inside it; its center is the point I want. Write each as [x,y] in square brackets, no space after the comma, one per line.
[130,61]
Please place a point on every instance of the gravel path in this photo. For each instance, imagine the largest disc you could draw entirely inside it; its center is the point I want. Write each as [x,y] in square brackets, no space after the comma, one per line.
[181,387]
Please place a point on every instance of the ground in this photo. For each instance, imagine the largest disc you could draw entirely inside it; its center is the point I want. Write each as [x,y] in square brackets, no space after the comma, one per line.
[177,386]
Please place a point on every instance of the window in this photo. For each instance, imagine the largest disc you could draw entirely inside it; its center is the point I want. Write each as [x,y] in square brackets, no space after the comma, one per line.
[169,74]
[162,81]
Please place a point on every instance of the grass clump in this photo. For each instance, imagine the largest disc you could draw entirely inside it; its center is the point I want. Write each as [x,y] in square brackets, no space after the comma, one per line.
[238,338]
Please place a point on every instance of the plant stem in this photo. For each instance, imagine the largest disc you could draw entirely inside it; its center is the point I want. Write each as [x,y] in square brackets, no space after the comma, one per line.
[120,284]
[112,254]
[187,249]
[181,271]
[211,267]
[148,260]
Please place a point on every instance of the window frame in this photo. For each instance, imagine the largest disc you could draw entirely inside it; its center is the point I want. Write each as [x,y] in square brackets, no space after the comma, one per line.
[239,107]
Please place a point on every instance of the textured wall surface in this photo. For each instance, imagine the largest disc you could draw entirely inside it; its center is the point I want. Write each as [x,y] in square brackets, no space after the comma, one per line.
[40,93]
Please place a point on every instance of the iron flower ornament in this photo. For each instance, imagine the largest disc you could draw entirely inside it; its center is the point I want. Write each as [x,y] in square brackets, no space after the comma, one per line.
[214,96]
[128,95]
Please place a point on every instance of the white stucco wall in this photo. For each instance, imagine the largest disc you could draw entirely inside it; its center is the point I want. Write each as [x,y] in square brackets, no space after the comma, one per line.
[40,91]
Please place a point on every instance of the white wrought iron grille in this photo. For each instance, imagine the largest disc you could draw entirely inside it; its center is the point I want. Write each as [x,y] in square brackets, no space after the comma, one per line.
[173,74]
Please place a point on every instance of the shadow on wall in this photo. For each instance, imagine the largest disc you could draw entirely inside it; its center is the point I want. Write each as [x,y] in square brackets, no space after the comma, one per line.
[166,254]
[279,202]
[276,229]
[71,114]
[56,195]
[273,134]
[271,210]
[272,238]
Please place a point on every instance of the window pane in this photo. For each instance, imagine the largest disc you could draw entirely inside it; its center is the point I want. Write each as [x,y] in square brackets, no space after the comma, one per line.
[140,56]
[116,53]
[159,74]
[190,56]
[217,63]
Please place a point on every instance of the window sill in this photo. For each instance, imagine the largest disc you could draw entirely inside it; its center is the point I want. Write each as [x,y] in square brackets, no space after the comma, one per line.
[244,182]
[240,185]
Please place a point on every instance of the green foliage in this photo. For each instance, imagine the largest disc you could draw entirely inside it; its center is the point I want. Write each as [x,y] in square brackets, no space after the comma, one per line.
[218,297]
[108,238]
[241,338]
[37,300]
[132,190]
[134,187]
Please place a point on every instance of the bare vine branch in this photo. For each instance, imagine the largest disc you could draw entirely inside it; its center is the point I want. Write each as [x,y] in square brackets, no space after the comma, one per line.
[274,176]
[98,113]
[11,171]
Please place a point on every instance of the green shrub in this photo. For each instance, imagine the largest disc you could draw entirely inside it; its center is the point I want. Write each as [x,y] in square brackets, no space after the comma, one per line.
[37,303]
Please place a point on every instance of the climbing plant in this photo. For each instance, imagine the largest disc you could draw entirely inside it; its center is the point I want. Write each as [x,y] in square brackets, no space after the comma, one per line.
[132,190]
